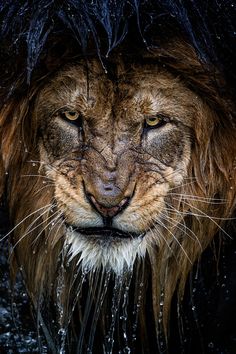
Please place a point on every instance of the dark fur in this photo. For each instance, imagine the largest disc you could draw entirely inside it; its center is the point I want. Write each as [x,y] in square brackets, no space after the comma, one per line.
[31,30]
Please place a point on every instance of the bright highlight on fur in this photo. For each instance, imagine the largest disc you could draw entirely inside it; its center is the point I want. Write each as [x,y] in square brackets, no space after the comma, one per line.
[115,255]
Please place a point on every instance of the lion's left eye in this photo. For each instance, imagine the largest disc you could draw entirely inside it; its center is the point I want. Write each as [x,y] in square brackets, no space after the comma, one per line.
[154,122]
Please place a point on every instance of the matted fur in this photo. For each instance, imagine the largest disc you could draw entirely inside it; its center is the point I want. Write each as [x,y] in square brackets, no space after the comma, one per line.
[204,199]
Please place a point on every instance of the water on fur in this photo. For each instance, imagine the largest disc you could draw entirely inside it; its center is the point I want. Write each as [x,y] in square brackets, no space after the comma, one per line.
[17,329]
[99,287]
[117,315]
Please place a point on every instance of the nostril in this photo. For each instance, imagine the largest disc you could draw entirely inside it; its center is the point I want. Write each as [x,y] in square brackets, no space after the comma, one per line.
[107,211]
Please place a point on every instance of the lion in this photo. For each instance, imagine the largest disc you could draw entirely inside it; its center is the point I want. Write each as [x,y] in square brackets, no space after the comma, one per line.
[118,174]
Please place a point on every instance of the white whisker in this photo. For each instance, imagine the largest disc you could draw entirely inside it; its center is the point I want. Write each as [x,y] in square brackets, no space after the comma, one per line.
[175,238]
[31,230]
[52,222]
[211,218]
[41,176]
[17,225]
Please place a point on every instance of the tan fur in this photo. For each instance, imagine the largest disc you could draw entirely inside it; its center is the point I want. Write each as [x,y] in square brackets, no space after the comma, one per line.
[53,170]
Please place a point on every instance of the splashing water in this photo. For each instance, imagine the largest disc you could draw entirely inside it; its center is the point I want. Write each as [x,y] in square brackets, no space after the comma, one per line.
[99,303]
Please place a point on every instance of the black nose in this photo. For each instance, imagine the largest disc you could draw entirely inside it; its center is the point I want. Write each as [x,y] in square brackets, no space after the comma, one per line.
[109,212]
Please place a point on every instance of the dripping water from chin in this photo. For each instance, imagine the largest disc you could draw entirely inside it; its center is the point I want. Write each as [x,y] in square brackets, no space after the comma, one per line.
[92,290]
[102,291]
[97,306]
[119,314]
[110,299]
[107,301]
[116,298]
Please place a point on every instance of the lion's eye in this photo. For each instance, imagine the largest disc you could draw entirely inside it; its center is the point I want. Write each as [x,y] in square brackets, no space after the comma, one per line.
[153,122]
[71,115]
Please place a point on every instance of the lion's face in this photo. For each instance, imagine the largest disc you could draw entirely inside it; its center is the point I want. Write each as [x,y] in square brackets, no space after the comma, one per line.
[114,150]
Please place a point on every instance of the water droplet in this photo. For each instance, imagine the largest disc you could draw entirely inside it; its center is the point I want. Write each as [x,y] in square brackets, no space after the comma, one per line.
[62,332]
[210,345]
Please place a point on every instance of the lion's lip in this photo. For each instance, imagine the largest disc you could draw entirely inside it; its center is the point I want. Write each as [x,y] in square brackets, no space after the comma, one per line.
[106,232]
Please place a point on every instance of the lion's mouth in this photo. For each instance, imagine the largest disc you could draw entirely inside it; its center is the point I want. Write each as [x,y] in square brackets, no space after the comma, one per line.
[104,232]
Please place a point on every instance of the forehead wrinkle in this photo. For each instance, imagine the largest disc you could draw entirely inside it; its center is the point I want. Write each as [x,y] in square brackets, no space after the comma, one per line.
[174,100]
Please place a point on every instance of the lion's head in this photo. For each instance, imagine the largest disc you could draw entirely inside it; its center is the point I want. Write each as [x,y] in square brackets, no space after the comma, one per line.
[116,183]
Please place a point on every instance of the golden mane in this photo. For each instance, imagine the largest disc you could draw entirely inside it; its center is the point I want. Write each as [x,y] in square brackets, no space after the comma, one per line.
[203,207]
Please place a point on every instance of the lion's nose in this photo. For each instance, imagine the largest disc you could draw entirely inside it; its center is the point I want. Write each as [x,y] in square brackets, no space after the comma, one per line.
[109,212]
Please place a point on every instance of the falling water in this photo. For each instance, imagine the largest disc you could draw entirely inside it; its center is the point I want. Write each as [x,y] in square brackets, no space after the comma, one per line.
[106,299]
[116,298]
[123,317]
[99,303]
[119,312]
[62,332]
[87,312]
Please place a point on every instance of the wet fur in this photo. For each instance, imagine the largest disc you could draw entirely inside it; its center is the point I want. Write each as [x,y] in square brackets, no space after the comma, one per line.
[204,199]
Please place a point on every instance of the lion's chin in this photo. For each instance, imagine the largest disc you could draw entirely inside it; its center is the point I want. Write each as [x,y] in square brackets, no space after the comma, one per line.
[112,250]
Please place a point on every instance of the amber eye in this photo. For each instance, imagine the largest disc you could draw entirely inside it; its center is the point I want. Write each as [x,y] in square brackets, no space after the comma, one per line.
[71,115]
[154,122]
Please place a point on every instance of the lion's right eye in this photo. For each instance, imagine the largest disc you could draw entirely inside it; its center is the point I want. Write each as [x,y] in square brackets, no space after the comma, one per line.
[71,115]
[155,121]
